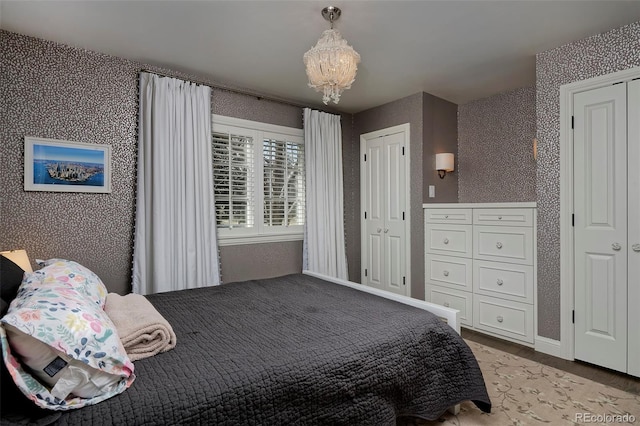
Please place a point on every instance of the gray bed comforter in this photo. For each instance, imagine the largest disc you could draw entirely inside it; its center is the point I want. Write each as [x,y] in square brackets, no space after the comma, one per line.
[288,350]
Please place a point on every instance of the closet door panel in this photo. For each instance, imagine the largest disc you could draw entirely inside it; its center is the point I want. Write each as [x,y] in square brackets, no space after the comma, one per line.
[374,206]
[600,205]
[394,205]
[633,149]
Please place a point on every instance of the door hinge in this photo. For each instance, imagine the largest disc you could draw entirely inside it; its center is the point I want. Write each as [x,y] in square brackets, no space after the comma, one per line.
[573,317]
[365,272]
[403,150]
[404,280]
[365,215]
[365,157]
[573,219]
[402,215]
[572,121]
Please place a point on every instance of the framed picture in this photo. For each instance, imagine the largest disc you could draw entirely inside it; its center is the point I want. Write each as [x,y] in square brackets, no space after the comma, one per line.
[64,166]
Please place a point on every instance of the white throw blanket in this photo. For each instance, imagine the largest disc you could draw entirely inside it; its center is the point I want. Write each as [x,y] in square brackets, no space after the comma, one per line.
[142,330]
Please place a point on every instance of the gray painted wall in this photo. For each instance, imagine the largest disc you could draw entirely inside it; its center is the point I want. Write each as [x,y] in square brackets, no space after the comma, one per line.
[495,155]
[422,111]
[601,54]
[440,134]
[55,91]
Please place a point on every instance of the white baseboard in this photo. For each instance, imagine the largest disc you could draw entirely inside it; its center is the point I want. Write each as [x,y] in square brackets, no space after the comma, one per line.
[548,346]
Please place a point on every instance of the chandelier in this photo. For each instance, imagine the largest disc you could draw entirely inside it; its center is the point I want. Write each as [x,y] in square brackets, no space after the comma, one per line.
[331,64]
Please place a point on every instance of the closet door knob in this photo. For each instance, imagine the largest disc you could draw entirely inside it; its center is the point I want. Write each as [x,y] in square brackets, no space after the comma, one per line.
[386,230]
[499,318]
[445,273]
[499,282]
[379,230]
[499,245]
[636,247]
[616,246]
[446,241]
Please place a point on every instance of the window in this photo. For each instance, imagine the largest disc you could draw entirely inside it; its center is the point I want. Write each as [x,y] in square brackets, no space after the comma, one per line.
[259,181]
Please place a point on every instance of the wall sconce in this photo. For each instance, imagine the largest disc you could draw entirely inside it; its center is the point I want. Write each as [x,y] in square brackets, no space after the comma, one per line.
[19,257]
[444,163]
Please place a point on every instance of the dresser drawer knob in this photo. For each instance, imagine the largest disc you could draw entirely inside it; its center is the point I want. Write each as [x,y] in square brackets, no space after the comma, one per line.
[446,304]
[446,241]
[445,273]
[499,282]
[446,216]
[499,245]
[499,318]
[499,217]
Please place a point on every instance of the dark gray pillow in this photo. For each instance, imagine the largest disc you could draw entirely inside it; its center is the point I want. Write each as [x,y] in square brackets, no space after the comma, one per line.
[10,280]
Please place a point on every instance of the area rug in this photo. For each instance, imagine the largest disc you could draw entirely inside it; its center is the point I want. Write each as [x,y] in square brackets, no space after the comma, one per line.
[524,392]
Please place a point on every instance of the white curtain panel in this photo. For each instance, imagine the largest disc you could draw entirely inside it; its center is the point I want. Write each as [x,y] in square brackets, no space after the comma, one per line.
[175,243]
[324,245]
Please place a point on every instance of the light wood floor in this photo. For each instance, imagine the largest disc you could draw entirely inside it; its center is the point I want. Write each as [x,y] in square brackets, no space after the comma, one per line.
[597,374]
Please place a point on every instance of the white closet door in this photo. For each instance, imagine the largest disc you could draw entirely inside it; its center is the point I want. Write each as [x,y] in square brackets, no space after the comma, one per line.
[600,205]
[394,226]
[375,210]
[383,174]
[633,149]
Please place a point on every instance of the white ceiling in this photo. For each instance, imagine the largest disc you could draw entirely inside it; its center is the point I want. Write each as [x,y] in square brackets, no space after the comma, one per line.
[457,50]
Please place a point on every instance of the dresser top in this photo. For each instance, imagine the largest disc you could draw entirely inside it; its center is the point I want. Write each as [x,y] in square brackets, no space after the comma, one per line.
[521,205]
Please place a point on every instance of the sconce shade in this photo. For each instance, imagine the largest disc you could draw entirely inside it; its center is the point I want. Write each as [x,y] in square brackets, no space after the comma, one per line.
[445,162]
[19,257]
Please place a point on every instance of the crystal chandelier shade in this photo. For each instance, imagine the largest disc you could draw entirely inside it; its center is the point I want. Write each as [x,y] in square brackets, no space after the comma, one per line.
[331,64]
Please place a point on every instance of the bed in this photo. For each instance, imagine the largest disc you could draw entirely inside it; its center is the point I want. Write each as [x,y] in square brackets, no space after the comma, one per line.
[297,349]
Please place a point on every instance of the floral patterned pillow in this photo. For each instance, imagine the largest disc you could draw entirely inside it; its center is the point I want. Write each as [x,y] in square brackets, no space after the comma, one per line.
[71,274]
[61,306]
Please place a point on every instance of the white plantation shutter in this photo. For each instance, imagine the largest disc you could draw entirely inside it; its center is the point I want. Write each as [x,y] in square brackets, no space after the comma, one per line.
[259,180]
[233,180]
[283,181]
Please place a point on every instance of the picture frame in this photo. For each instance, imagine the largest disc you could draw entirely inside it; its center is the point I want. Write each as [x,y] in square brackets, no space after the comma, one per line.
[65,166]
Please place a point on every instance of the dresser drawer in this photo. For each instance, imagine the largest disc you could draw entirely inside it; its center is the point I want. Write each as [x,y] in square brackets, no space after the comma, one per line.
[452,240]
[456,216]
[460,300]
[505,280]
[503,217]
[449,271]
[503,244]
[504,317]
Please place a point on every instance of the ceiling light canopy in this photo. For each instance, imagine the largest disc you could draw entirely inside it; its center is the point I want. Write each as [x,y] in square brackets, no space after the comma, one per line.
[331,64]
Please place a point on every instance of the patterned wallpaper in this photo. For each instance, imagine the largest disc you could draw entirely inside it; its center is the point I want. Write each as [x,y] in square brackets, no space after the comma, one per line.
[55,91]
[601,54]
[495,157]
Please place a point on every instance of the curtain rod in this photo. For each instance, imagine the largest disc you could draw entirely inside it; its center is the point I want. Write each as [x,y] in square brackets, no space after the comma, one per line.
[229,89]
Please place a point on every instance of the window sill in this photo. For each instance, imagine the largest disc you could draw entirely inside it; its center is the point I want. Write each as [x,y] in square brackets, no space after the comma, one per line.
[230,240]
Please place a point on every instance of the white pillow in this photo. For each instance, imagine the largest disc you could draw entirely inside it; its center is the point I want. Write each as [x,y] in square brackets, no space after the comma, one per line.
[61,372]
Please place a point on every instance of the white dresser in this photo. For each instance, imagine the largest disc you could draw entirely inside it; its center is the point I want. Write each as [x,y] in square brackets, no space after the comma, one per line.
[481,260]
